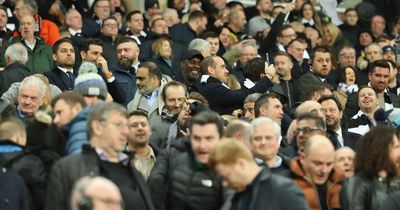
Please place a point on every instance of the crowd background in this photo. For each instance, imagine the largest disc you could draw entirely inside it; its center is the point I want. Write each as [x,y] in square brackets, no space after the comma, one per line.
[199,104]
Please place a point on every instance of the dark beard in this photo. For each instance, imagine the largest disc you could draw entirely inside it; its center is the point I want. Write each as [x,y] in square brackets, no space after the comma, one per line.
[191,75]
[125,63]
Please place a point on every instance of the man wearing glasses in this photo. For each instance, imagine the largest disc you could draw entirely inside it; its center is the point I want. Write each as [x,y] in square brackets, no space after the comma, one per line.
[108,132]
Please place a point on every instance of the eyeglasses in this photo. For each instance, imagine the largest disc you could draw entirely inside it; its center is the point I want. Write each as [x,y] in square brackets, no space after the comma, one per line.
[307,130]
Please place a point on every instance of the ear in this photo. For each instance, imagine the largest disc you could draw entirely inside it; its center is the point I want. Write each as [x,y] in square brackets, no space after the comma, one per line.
[263,112]
[77,108]
[83,55]
[54,57]
[340,114]
[97,127]
[369,76]
[210,70]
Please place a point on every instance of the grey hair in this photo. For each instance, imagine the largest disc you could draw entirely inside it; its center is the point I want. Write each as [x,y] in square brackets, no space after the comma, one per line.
[265,121]
[102,111]
[375,44]
[34,81]
[252,97]
[31,4]
[168,12]
[199,44]
[17,53]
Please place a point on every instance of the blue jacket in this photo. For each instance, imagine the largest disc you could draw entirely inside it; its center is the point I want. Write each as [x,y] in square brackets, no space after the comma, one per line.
[126,82]
[77,132]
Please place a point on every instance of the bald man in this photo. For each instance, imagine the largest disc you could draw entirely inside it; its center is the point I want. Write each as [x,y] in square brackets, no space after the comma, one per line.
[313,172]
[96,193]
[344,161]
[310,106]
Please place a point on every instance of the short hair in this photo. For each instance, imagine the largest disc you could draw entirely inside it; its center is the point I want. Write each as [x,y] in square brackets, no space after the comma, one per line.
[198,44]
[331,97]
[10,126]
[208,117]
[207,62]
[17,53]
[233,4]
[253,68]
[108,18]
[84,47]
[320,49]
[209,34]
[101,112]
[31,4]
[157,45]
[362,87]
[283,28]
[350,9]
[168,11]
[70,97]
[373,152]
[263,101]
[34,81]
[235,126]
[252,97]
[61,41]
[374,44]
[319,122]
[198,97]
[302,41]
[195,15]
[139,113]
[152,68]
[228,151]
[131,13]
[172,83]
[379,63]
[265,121]
[4,9]
[126,39]
[282,53]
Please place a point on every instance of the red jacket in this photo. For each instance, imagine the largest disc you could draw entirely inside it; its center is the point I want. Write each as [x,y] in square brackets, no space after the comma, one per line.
[48,31]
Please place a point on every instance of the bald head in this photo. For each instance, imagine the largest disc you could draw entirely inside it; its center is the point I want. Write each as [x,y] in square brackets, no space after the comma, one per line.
[310,106]
[239,130]
[318,159]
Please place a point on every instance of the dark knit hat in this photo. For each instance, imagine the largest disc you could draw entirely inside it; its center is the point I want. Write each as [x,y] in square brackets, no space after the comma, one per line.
[151,4]
[89,82]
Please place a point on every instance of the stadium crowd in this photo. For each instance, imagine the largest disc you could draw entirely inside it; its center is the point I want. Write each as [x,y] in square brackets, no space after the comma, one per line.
[199,105]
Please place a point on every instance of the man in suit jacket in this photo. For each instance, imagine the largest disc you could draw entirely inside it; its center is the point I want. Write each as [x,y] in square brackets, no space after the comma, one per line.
[64,56]
[213,86]
[321,60]
[333,113]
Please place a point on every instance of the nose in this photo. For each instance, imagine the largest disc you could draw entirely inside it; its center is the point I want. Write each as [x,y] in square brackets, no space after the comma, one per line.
[56,119]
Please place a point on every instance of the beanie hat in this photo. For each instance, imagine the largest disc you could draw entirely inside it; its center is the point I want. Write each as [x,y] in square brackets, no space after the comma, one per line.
[390,117]
[89,82]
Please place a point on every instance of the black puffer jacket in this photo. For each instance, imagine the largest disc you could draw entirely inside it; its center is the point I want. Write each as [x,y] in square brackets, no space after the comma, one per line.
[178,181]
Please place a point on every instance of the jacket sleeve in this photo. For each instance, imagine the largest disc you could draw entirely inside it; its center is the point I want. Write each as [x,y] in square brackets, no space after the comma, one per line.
[269,41]
[296,200]
[158,180]
[56,197]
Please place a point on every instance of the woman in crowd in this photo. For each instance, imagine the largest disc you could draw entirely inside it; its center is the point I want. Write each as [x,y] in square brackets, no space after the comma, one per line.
[162,52]
[346,80]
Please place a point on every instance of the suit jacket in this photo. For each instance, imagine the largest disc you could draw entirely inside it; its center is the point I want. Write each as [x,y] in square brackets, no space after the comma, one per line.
[224,100]
[349,139]
[59,79]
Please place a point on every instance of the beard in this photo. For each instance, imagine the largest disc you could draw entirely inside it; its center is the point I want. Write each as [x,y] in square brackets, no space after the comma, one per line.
[191,75]
[125,63]
[332,126]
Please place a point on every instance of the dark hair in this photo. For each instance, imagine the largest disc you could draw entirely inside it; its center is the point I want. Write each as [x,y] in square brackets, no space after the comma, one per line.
[91,41]
[379,63]
[253,68]
[319,122]
[350,10]
[70,97]
[3,8]
[209,34]
[302,41]
[263,100]
[312,7]
[341,75]
[126,39]
[372,152]
[153,69]
[283,28]
[131,13]
[281,53]
[331,97]
[138,113]
[312,88]
[172,83]
[196,15]
[321,49]
[233,4]
[59,42]
[208,117]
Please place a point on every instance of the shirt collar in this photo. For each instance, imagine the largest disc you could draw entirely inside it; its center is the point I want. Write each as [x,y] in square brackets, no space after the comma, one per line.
[122,158]
[74,32]
[65,70]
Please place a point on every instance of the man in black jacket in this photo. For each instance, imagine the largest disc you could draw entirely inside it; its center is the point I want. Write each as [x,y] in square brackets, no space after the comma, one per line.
[256,187]
[16,70]
[213,86]
[108,131]
[181,178]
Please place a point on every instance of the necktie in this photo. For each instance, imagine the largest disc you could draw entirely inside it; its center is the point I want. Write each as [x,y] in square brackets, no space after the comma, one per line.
[72,78]
[333,136]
